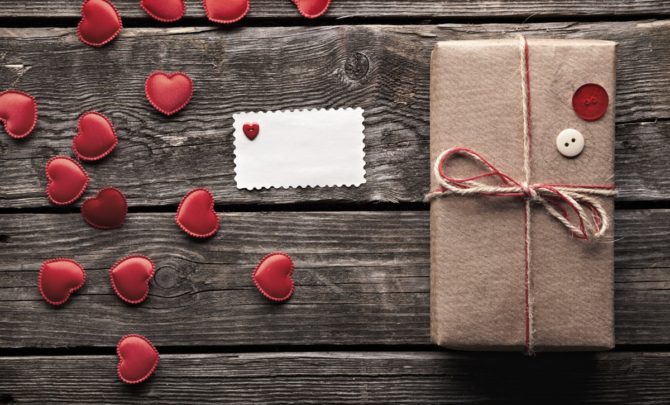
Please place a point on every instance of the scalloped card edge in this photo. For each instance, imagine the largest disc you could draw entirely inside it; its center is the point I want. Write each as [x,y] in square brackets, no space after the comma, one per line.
[352,148]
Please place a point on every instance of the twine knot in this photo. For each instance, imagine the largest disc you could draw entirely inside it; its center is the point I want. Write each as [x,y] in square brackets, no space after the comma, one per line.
[529,192]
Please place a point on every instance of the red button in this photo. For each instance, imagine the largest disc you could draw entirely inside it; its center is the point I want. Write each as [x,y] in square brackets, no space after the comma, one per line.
[590,102]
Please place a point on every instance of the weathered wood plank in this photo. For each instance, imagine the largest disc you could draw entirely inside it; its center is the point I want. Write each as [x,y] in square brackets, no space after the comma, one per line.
[373,8]
[361,277]
[347,377]
[641,149]
[381,68]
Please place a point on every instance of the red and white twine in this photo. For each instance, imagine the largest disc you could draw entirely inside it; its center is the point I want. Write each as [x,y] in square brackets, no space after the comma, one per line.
[559,200]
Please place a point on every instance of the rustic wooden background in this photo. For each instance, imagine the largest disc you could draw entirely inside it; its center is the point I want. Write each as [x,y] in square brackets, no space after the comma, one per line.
[357,329]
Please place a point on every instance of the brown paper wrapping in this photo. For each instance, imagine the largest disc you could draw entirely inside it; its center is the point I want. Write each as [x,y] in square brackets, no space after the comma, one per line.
[477,243]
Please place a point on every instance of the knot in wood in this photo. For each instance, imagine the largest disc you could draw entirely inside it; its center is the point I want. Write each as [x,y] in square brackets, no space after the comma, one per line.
[357,66]
[166,276]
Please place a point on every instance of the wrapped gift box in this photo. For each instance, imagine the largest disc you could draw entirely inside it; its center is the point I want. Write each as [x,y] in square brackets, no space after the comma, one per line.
[502,277]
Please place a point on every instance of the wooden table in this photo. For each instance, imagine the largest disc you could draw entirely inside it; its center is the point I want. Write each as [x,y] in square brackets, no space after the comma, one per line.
[357,329]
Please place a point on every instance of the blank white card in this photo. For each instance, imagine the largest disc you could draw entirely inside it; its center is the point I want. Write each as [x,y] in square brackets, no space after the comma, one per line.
[300,148]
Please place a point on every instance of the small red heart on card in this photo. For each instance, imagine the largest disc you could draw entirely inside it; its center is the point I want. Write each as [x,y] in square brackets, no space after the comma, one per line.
[18,112]
[196,215]
[66,179]
[251,130]
[138,358]
[168,92]
[107,210]
[226,11]
[100,22]
[59,278]
[96,137]
[164,10]
[130,278]
[312,8]
[273,277]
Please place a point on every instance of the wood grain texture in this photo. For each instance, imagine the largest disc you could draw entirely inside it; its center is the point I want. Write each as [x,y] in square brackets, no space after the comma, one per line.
[361,278]
[372,8]
[383,69]
[347,377]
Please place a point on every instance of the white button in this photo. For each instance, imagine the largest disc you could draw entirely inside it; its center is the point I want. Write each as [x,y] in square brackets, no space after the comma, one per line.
[570,142]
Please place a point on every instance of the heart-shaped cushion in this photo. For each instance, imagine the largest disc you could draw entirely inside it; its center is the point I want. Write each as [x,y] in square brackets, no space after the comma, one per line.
[138,358]
[18,112]
[273,277]
[66,180]
[100,22]
[130,278]
[251,130]
[59,278]
[107,210]
[196,215]
[226,11]
[312,8]
[164,10]
[95,138]
[168,92]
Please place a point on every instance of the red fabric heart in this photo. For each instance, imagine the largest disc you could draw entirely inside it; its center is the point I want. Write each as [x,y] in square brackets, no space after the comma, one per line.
[312,8]
[273,277]
[66,180]
[168,92]
[18,112]
[138,358]
[196,215]
[107,210]
[95,138]
[164,10]
[251,130]
[226,11]
[130,278]
[100,22]
[59,278]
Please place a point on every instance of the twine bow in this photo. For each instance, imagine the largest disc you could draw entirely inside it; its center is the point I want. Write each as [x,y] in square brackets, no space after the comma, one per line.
[559,200]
